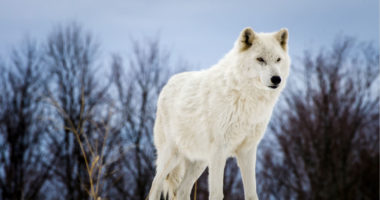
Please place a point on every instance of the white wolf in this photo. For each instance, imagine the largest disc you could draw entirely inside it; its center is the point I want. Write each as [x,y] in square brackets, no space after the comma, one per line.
[204,117]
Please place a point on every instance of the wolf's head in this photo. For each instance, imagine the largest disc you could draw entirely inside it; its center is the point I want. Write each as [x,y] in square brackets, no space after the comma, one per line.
[262,58]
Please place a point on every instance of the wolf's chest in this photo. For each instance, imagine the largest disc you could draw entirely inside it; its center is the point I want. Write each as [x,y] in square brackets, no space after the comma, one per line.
[245,112]
[243,117]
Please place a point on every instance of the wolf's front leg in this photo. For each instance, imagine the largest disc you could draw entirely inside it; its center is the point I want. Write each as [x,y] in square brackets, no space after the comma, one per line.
[247,163]
[215,179]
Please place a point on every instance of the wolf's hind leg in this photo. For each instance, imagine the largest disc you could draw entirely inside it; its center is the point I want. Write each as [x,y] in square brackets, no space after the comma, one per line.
[167,159]
[192,173]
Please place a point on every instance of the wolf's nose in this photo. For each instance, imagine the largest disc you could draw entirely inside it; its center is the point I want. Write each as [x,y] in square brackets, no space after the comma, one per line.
[276,80]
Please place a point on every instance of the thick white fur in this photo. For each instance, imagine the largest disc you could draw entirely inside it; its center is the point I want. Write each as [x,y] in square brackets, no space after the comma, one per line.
[204,117]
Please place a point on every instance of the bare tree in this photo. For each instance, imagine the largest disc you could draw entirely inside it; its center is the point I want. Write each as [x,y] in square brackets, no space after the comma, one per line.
[325,142]
[24,164]
[137,85]
[79,99]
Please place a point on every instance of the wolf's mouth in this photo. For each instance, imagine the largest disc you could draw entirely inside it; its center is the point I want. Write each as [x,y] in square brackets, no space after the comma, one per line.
[273,86]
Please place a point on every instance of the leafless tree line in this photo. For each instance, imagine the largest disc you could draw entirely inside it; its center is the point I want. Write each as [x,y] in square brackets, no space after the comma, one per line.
[325,142]
[73,126]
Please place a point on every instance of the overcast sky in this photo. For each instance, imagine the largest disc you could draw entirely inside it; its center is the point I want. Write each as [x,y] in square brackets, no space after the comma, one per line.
[198,31]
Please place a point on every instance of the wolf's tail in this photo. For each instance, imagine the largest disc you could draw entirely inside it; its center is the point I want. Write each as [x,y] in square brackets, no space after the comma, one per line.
[172,181]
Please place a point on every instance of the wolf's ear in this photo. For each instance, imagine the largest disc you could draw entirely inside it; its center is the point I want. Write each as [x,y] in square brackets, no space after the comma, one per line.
[246,39]
[282,37]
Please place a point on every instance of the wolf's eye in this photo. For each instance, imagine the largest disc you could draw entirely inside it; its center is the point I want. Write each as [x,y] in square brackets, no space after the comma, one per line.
[260,59]
[278,60]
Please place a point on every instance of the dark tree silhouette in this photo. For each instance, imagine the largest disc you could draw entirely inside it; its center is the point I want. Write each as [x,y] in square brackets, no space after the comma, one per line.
[78,98]
[137,85]
[24,164]
[325,142]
